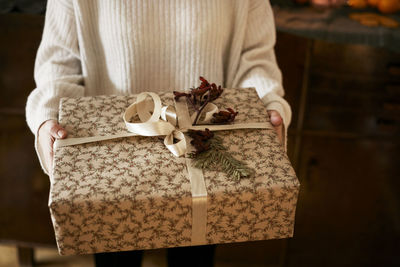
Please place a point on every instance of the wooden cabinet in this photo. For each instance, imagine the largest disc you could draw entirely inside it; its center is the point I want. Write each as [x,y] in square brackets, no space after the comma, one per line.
[348,213]
[353,90]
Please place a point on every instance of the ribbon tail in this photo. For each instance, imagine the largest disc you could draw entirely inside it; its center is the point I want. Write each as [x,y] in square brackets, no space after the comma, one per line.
[199,204]
[179,148]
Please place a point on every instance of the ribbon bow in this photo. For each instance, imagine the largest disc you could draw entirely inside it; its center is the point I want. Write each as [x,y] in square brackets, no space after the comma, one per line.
[157,120]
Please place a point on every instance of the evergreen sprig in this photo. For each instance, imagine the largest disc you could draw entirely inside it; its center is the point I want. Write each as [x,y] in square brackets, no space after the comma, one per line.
[218,158]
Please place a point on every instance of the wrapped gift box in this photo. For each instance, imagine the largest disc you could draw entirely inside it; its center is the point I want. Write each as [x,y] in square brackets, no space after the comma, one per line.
[131,193]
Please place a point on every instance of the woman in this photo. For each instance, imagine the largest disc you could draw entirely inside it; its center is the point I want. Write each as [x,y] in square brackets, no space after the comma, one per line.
[93,47]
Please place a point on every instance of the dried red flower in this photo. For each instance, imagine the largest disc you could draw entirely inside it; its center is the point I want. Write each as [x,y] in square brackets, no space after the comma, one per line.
[224,116]
[178,95]
[199,97]
[200,139]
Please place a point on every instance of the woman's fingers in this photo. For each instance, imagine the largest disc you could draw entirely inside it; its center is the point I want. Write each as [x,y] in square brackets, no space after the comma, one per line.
[56,130]
[275,117]
[277,122]
[47,134]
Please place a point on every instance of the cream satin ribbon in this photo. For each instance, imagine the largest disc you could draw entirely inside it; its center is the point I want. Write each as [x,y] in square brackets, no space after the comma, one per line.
[155,120]
[149,113]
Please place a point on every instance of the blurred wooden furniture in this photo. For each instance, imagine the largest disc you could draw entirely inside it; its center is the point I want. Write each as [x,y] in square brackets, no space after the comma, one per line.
[345,140]
[349,204]
[24,215]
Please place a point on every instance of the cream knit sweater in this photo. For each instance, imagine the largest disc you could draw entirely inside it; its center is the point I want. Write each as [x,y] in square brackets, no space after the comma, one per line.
[93,47]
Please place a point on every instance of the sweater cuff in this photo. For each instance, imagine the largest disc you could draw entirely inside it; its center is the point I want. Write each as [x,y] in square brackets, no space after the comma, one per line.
[38,151]
[40,117]
[278,107]
[275,102]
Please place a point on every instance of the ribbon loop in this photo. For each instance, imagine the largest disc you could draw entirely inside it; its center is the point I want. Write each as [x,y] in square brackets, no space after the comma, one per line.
[206,114]
[168,114]
[149,113]
[179,148]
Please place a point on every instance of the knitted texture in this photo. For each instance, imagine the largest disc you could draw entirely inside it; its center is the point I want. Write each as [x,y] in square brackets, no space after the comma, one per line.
[103,47]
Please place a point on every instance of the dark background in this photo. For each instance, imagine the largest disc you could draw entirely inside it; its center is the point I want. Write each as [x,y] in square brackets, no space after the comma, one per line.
[348,210]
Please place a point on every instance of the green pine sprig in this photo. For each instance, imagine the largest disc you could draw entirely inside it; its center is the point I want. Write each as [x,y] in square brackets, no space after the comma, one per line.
[218,158]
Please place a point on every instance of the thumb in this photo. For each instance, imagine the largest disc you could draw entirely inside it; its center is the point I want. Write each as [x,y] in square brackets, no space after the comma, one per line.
[57,131]
[275,117]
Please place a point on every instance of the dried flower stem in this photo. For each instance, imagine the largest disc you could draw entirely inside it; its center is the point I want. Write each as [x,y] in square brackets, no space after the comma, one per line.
[196,96]
[199,111]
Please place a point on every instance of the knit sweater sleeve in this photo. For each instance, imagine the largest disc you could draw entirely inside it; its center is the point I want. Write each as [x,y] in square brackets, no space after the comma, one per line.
[57,66]
[257,66]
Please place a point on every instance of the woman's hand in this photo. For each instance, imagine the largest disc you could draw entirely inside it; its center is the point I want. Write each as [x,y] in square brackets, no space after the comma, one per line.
[48,132]
[277,122]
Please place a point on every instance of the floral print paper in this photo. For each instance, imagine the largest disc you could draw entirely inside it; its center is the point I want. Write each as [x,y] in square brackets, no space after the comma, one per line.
[132,193]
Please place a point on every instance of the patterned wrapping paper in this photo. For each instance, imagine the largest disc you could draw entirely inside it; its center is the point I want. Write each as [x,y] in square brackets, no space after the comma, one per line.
[132,193]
